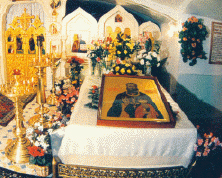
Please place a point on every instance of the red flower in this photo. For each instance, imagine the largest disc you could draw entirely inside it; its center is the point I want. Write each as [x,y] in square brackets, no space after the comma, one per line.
[118,61]
[98,59]
[36,151]
[69,60]
[94,87]
[193,45]
[93,91]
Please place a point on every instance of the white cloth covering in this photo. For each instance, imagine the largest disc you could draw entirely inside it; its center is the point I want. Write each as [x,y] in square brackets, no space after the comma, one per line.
[84,143]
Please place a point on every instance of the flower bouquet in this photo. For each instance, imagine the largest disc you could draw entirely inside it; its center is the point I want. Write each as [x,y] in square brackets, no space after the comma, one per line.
[67,99]
[98,52]
[208,154]
[192,35]
[124,69]
[94,96]
[40,151]
[124,47]
[150,62]
[76,67]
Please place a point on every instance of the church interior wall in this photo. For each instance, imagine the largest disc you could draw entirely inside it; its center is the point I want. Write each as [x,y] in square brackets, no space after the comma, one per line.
[181,74]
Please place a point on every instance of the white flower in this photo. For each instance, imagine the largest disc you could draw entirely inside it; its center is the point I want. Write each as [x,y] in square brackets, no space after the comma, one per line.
[29,131]
[37,124]
[37,143]
[30,138]
[141,53]
[44,146]
[41,138]
[158,64]
[142,61]
[149,56]
[50,131]
[148,63]
[40,128]
[56,123]
[154,54]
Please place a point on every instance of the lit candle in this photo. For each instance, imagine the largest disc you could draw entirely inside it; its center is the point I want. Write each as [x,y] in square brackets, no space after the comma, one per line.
[34,60]
[47,61]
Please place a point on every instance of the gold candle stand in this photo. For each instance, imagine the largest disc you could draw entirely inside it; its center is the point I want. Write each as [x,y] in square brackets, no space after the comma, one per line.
[17,150]
[40,99]
[53,99]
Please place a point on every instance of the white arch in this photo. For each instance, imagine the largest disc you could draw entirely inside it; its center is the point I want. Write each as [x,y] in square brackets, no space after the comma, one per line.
[128,21]
[79,14]
[150,27]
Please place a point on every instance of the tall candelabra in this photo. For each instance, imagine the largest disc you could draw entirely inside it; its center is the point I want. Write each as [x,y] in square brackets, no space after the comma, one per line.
[40,98]
[52,98]
[16,150]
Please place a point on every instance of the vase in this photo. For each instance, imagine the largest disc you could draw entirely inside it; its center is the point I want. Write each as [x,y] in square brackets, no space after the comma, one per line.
[148,71]
[41,170]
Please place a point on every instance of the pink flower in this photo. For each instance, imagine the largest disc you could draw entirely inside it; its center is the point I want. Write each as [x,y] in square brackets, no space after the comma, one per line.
[198,154]
[206,143]
[199,142]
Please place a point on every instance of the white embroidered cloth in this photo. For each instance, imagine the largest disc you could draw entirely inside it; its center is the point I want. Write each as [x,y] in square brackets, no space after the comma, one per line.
[84,143]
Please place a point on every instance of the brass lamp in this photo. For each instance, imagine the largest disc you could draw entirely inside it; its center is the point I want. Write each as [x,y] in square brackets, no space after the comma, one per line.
[17,150]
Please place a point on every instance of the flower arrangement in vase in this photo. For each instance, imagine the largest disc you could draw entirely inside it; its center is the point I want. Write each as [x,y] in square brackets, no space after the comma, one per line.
[124,47]
[40,151]
[75,69]
[192,35]
[99,51]
[149,59]
[67,99]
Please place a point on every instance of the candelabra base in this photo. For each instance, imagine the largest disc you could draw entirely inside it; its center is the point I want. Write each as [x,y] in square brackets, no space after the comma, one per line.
[52,99]
[45,110]
[17,150]
[42,120]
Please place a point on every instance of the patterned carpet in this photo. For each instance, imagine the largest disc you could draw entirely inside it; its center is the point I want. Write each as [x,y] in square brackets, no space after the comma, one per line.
[6,135]
[6,110]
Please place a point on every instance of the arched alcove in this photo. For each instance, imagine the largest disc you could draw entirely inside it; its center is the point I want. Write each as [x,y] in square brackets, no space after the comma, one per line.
[125,20]
[80,23]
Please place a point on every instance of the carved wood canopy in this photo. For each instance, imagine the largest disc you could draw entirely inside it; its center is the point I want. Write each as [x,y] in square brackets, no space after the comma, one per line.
[21,45]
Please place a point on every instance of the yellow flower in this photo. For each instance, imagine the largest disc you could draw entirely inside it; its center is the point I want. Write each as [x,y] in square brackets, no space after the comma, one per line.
[103,45]
[122,71]
[118,52]
[117,68]
[131,46]
[117,73]
[74,81]
[133,68]
[125,51]
[127,65]
[128,71]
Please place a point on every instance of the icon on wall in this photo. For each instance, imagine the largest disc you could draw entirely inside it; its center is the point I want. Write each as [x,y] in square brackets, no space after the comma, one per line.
[55,4]
[53,29]
[118,18]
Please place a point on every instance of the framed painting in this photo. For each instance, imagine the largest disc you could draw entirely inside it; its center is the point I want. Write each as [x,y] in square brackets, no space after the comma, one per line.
[133,102]
[216,45]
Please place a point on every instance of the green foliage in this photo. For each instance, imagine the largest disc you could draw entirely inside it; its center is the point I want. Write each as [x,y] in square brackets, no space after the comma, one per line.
[192,35]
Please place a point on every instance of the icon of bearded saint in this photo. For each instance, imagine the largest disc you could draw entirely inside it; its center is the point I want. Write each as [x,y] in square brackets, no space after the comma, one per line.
[134,104]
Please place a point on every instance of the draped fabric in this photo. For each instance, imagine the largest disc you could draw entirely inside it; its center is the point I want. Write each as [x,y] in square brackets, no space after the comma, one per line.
[35,9]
